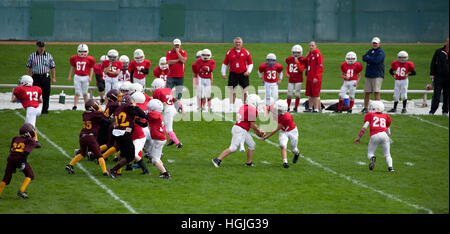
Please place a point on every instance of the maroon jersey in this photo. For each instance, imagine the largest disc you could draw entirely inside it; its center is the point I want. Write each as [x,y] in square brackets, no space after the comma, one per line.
[20,144]
[295,70]
[124,118]
[110,108]
[204,69]
[92,122]
[28,95]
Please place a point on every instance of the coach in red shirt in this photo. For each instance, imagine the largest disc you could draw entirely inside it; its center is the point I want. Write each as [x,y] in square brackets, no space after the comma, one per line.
[176,58]
[314,71]
[239,61]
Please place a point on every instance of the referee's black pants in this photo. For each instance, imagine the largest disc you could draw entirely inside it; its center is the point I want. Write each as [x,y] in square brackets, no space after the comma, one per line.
[43,81]
[440,87]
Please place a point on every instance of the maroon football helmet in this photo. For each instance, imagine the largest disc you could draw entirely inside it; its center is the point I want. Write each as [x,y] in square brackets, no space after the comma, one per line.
[127,99]
[27,130]
[92,105]
[113,95]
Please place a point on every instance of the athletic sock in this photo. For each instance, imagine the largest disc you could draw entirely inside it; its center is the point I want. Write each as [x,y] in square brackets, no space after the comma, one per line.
[297,101]
[352,102]
[395,105]
[404,103]
[288,102]
[2,186]
[141,163]
[25,184]
[76,159]
[389,161]
[174,137]
[103,148]
[109,152]
[340,104]
[102,164]
[285,160]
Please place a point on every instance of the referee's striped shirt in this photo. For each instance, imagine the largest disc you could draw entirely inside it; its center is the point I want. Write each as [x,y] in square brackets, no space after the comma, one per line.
[40,64]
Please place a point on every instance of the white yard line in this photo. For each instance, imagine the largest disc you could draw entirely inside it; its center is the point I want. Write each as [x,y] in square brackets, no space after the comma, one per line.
[348,178]
[426,121]
[109,191]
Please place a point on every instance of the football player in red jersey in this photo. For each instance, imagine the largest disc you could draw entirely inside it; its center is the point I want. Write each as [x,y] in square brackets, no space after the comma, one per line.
[156,124]
[402,68]
[162,69]
[29,96]
[165,95]
[351,72]
[379,133]
[83,66]
[271,74]
[195,86]
[288,132]
[203,69]
[138,135]
[139,67]
[92,121]
[112,68]
[294,71]
[246,118]
[124,74]
[20,149]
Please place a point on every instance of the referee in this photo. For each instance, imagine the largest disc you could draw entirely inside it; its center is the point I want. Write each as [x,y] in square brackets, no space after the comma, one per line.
[40,63]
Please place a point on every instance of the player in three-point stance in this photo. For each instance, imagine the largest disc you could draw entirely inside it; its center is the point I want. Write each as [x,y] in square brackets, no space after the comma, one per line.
[20,149]
[246,118]
[288,132]
[379,133]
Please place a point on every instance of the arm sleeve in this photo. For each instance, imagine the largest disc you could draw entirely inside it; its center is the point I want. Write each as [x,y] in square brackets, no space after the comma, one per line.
[223,70]
[250,68]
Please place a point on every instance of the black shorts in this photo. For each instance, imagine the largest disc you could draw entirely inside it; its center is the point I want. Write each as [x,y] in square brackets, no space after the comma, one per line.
[100,83]
[235,79]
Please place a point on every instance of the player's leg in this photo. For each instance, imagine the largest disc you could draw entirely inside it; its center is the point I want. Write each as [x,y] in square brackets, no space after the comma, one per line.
[168,121]
[404,93]
[267,89]
[386,146]
[290,91]
[82,153]
[342,92]
[371,149]
[138,147]
[10,169]
[95,149]
[126,147]
[84,88]
[29,176]
[396,96]
[251,145]
[155,154]
[77,85]
[237,136]
[274,92]
[297,91]
[293,139]
[30,117]
[283,139]
[108,84]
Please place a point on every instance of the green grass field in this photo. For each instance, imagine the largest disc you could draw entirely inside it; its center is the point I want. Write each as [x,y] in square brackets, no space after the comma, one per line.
[331,177]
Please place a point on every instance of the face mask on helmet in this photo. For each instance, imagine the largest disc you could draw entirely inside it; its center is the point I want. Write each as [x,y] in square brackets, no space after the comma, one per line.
[402,56]
[271,59]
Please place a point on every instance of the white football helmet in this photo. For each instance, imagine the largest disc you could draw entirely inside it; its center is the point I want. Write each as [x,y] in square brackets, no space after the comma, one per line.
[26,80]
[155,105]
[253,100]
[103,58]
[281,106]
[135,88]
[402,56]
[83,50]
[113,55]
[163,63]
[198,54]
[124,59]
[271,59]
[376,106]
[350,58]
[125,87]
[158,83]
[297,49]
[139,56]
[206,54]
[138,97]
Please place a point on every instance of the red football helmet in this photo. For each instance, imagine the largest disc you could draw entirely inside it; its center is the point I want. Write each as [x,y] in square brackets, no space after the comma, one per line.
[27,130]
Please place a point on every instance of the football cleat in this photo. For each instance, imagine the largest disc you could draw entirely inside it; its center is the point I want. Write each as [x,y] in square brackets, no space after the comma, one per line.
[285,165]
[171,142]
[146,172]
[391,169]
[308,110]
[295,110]
[372,163]
[365,111]
[111,173]
[349,111]
[179,145]
[22,194]
[74,108]
[38,145]
[393,110]
[295,157]
[404,111]
[69,169]
[216,162]
[249,164]
[164,175]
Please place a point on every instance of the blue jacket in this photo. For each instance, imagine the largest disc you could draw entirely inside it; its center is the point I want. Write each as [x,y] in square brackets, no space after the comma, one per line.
[375,63]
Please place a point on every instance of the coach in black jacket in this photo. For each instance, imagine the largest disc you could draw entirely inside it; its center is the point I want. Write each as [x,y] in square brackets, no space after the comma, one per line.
[439,77]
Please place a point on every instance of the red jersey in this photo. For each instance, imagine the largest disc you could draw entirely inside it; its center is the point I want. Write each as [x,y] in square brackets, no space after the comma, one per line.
[351,70]
[147,99]
[165,95]
[287,122]
[156,125]
[378,122]
[295,70]
[82,65]
[91,122]
[98,70]
[117,65]
[204,69]
[138,132]
[238,61]
[314,67]
[28,95]
[401,69]
[246,115]
[177,69]
[159,73]
[123,76]
[134,66]
[270,73]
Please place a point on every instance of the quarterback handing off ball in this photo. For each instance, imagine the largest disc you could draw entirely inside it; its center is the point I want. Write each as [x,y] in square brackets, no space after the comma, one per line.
[260,133]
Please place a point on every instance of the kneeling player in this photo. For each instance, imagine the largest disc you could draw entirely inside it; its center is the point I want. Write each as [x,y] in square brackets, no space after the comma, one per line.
[21,147]
[92,120]
[246,118]
[288,132]
[379,133]
[351,72]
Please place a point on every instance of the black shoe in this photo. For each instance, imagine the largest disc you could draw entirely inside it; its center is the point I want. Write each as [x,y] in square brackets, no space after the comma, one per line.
[145,172]
[404,111]
[164,175]
[307,110]
[285,165]
[112,174]
[431,113]
[115,159]
[391,169]
[74,108]
[69,169]
[171,142]
[179,145]
[249,164]
[364,111]
[38,145]
[22,194]
[44,112]
[295,110]
[289,109]
[295,158]
[349,111]
[129,167]
[216,162]
[392,110]
[372,163]
[445,113]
